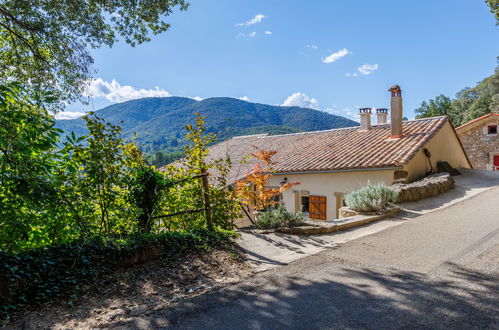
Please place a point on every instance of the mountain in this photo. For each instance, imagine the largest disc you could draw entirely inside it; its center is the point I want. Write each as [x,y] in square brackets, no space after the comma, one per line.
[159,122]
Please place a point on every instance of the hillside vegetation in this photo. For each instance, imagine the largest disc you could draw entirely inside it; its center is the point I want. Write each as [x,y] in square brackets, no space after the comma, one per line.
[159,122]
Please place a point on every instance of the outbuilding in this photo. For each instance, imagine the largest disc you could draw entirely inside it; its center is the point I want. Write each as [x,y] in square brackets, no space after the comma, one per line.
[480,139]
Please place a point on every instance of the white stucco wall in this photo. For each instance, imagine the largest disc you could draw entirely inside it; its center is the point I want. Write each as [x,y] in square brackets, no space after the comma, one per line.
[327,184]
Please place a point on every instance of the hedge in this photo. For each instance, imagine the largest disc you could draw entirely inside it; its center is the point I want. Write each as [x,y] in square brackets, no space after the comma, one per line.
[36,276]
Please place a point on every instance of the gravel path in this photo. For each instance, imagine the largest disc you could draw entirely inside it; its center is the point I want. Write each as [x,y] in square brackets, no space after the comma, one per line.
[438,270]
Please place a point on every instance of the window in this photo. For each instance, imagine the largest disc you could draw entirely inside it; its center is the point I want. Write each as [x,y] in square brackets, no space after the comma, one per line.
[277,198]
[492,129]
[305,204]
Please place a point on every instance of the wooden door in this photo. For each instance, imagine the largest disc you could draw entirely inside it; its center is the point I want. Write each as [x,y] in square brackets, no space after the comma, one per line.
[317,207]
[496,162]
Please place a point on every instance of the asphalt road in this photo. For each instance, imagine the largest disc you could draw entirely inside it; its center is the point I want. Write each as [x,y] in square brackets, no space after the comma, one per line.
[439,270]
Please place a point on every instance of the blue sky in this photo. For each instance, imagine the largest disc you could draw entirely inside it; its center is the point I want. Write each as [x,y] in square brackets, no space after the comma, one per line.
[331,55]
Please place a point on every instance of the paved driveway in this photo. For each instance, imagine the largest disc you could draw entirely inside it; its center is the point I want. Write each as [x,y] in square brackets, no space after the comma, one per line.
[266,251]
[439,270]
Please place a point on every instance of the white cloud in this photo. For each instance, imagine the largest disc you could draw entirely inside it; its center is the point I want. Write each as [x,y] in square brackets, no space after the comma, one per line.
[367,68]
[312,46]
[66,115]
[301,100]
[252,34]
[336,56]
[240,35]
[268,32]
[257,19]
[115,92]
[244,98]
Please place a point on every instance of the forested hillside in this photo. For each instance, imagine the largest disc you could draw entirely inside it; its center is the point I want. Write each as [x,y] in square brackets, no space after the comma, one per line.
[159,123]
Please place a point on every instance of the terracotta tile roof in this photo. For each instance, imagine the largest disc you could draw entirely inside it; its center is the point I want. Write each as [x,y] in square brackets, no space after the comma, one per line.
[336,149]
[477,120]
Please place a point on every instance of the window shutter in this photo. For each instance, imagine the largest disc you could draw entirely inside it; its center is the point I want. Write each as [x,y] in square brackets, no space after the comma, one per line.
[317,208]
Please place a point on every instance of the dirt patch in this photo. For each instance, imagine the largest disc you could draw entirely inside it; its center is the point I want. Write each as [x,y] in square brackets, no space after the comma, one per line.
[140,291]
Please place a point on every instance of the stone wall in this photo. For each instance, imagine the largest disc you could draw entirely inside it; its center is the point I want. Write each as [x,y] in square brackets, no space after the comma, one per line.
[430,186]
[479,146]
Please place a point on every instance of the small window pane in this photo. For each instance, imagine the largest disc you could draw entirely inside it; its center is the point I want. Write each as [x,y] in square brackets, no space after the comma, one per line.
[305,201]
[492,129]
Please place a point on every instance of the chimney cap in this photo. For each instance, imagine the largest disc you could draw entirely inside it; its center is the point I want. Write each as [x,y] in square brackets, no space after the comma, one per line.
[365,110]
[381,110]
[396,91]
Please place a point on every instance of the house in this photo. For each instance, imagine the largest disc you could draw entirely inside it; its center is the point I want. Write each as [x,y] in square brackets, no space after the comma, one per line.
[481,141]
[329,164]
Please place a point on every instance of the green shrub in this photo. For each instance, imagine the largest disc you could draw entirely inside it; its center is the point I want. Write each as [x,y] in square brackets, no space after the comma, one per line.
[35,276]
[279,217]
[371,198]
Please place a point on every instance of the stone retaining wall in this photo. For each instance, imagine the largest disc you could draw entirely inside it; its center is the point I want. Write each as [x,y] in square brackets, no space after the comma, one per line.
[430,186]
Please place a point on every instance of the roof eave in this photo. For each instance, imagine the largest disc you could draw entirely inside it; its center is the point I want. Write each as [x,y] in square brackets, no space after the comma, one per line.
[389,168]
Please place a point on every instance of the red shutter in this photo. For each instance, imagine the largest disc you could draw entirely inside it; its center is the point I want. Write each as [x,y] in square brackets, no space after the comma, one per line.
[496,162]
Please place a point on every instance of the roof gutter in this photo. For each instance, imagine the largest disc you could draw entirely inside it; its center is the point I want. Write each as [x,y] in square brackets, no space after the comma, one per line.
[341,171]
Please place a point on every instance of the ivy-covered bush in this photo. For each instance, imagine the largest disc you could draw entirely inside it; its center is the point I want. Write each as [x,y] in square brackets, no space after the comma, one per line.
[279,217]
[371,198]
[38,275]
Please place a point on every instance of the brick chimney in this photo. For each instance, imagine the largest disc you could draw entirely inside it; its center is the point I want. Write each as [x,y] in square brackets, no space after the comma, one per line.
[396,111]
[381,116]
[365,118]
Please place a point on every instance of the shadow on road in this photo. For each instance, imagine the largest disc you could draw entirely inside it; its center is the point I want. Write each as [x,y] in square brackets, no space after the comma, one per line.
[364,298]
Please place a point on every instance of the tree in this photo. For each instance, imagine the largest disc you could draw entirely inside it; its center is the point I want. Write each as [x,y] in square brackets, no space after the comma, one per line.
[190,193]
[28,143]
[494,8]
[105,165]
[254,190]
[45,43]
[470,103]
[440,106]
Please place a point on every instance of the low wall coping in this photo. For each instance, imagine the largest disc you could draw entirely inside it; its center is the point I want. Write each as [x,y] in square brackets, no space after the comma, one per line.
[331,226]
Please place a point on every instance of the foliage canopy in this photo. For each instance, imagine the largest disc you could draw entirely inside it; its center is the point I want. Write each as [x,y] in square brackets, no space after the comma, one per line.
[494,8]
[45,43]
[95,185]
[470,103]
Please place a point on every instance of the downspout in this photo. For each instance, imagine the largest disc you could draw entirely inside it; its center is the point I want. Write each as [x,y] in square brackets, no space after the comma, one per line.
[428,156]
